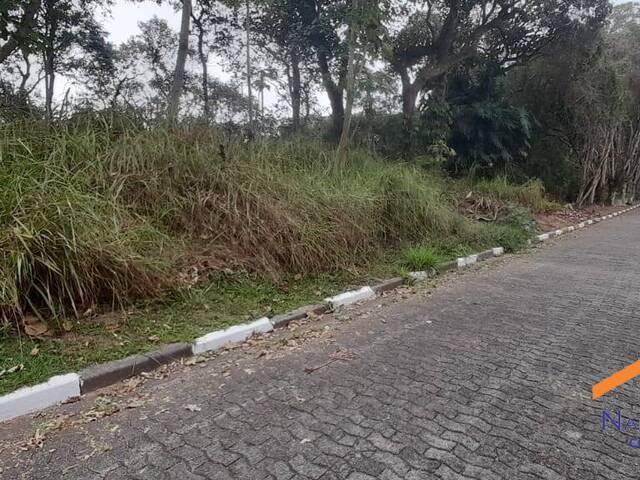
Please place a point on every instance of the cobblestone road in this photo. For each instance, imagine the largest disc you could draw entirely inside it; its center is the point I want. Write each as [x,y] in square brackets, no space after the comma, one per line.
[487,376]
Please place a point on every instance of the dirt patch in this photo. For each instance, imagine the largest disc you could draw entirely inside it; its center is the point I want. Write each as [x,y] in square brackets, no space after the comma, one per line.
[571,216]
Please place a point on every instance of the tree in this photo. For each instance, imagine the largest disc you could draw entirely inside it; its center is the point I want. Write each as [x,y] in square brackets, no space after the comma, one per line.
[280,32]
[357,20]
[181,58]
[17,22]
[211,25]
[441,34]
[581,93]
[65,31]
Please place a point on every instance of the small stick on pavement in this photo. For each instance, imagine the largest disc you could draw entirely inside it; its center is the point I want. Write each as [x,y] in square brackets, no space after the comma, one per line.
[343,355]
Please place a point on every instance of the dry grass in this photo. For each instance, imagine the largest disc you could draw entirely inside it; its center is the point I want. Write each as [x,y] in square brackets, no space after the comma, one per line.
[101,215]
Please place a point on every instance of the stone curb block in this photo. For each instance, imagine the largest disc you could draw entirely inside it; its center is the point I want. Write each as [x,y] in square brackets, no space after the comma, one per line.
[105,374]
[461,262]
[486,255]
[543,237]
[236,334]
[447,266]
[281,321]
[419,276]
[388,285]
[30,399]
[347,298]
[498,251]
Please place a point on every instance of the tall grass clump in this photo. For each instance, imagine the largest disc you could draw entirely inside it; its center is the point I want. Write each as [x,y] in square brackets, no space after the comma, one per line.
[96,213]
[530,194]
[64,246]
[421,258]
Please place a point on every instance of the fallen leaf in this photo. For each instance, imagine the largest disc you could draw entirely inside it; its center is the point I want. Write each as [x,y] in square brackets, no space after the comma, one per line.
[67,325]
[15,369]
[153,338]
[194,360]
[193,408]
[33,327]
[305,440]
[35,351]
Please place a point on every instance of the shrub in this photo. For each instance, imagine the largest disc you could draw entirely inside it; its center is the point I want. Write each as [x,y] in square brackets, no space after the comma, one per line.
[511,237]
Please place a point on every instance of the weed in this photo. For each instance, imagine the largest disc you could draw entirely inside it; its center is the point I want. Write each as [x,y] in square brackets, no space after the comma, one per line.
[421,259]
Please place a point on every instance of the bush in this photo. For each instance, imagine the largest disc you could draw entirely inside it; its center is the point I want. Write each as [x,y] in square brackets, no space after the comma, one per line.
[511,237]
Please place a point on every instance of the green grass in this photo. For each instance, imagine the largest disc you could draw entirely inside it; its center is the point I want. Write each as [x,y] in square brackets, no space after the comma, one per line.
[101,219]
[178,318]
[421,259]
[94,216]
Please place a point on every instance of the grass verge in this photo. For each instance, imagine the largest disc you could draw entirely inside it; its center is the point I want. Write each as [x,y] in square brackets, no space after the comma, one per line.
[99,220]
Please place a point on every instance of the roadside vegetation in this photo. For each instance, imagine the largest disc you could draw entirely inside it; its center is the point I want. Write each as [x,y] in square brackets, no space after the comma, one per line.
[151,202]
[183,231]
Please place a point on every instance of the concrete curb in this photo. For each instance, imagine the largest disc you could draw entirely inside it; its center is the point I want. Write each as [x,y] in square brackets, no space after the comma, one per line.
[281,321]
[105,374]
[237,334]
[31,399]
[348,298]
[388,285]
[64,387]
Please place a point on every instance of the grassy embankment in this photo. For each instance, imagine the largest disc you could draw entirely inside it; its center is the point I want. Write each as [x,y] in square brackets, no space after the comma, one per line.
[180,233]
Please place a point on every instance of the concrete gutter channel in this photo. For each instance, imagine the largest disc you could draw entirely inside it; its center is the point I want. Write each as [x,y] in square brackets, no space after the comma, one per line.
[62,388]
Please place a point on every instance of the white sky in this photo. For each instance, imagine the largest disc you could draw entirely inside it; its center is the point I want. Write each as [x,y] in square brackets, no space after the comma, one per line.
[123,21]
[124,18]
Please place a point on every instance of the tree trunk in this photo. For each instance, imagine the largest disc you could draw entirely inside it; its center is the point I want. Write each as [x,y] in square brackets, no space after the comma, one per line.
[343,146]
[336,97]
[178,77]
[49,83]
[409,97]
[206,109]
[295,91]
[249,91]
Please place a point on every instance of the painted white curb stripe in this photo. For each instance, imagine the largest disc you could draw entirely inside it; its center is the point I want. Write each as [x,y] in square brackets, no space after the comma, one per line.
[348,298]
[498,251]
[471,260]
[236,334]
[30,399]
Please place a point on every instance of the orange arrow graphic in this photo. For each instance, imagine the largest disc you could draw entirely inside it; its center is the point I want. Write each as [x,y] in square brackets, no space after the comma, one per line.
[615,380]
